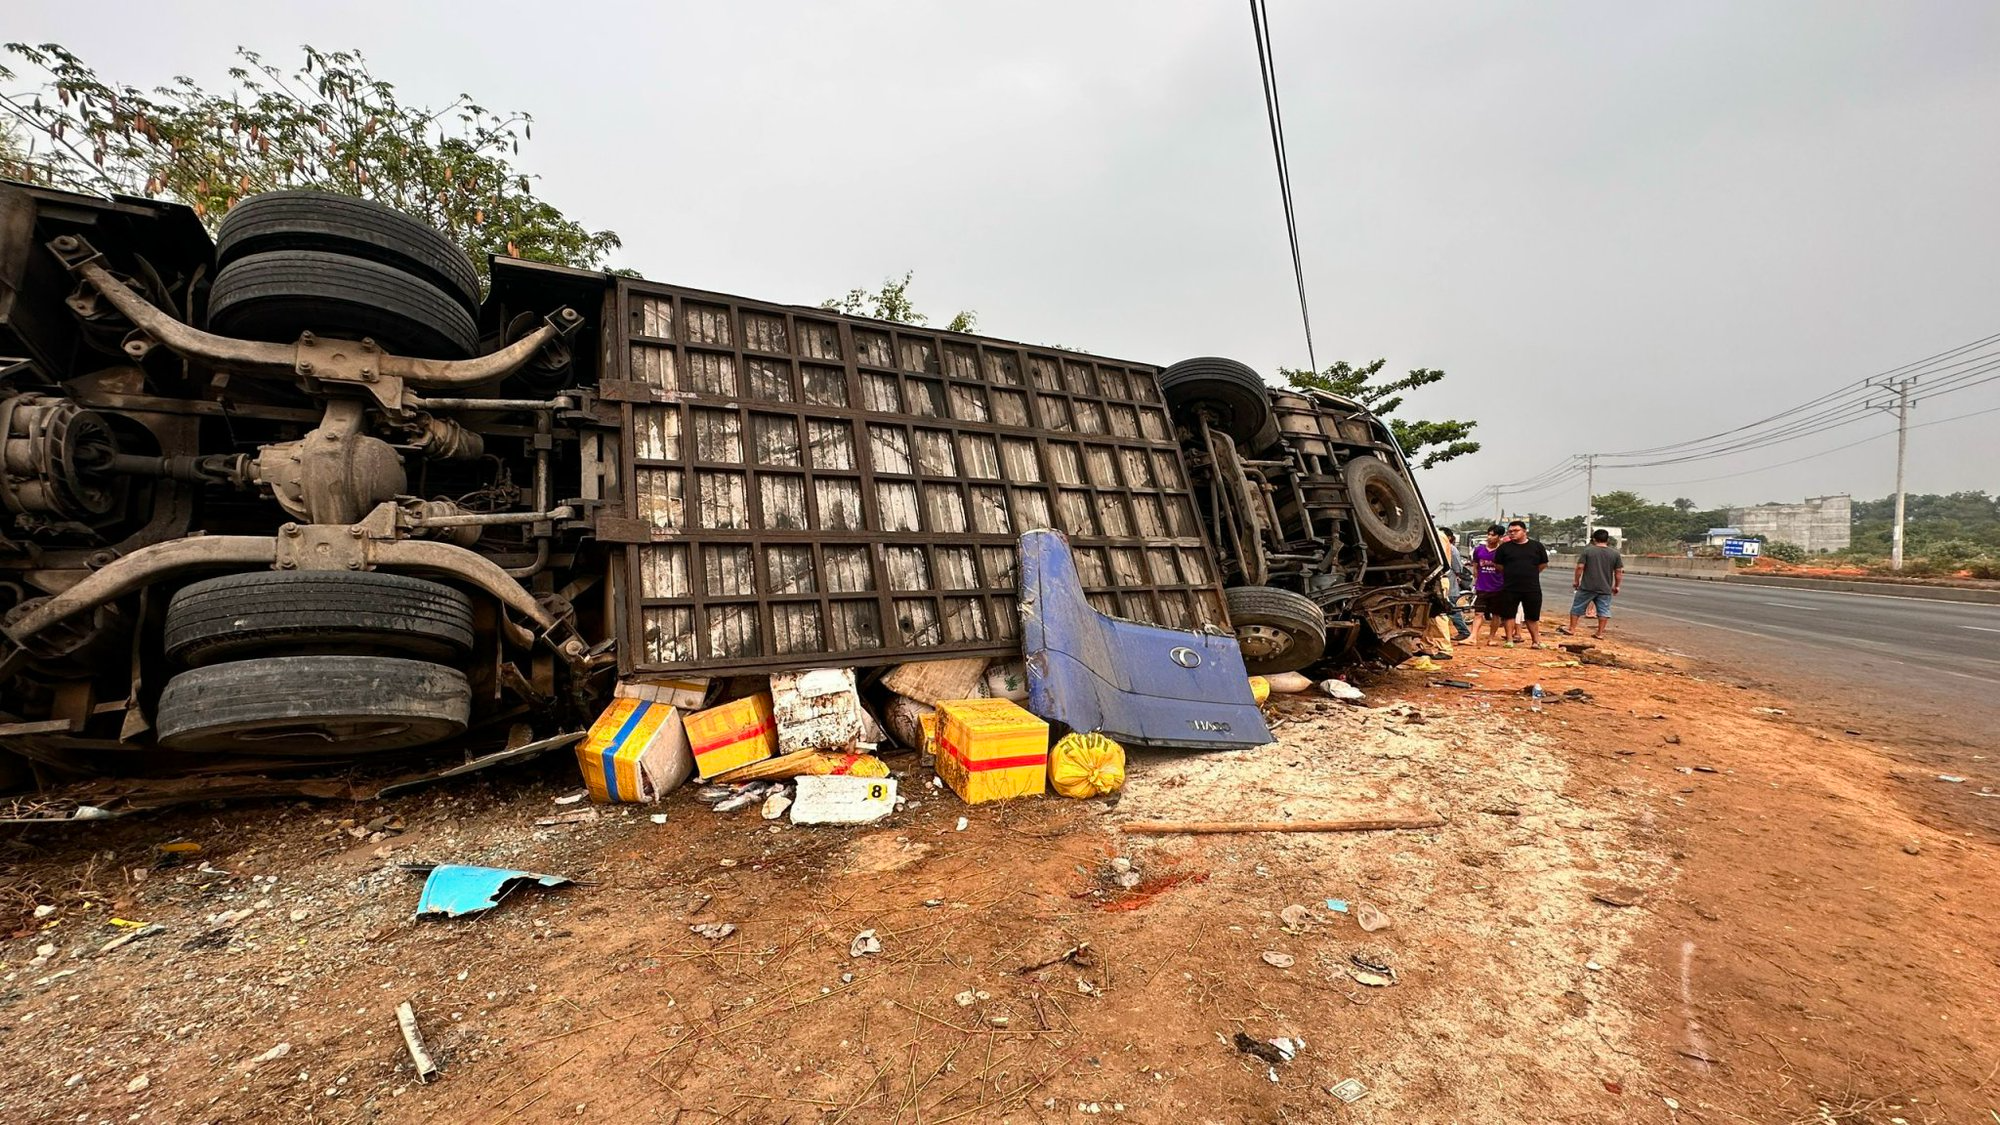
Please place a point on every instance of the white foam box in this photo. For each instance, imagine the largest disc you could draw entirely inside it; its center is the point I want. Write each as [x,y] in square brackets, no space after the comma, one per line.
[842,799]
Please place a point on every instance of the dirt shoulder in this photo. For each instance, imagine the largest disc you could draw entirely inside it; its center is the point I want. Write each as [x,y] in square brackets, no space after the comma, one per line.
[1591,933]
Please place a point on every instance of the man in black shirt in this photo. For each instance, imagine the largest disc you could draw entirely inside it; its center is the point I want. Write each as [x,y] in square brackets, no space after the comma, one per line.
[1521,561]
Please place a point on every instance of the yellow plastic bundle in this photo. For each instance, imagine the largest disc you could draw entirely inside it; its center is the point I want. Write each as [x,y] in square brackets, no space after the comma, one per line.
[1086,765]
[1260,690]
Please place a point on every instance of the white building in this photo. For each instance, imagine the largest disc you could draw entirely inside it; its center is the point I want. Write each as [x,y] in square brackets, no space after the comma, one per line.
[1819,524]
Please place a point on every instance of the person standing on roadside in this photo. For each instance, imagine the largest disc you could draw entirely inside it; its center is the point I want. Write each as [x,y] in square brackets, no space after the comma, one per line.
[1455,574]
[1521,561]
[1599,570]
[1486,585]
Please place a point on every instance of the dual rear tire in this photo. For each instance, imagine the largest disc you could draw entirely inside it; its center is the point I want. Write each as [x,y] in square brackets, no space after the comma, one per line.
[310,261]
[292,663]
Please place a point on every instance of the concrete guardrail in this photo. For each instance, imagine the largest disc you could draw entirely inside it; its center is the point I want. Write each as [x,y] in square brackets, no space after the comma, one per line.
[1722,570]
[1712,570]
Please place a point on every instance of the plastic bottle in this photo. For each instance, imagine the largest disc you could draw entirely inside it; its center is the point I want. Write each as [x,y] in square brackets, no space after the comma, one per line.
[1535,694]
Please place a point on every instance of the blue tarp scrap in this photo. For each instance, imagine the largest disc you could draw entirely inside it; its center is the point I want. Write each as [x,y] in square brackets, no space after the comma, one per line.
[455,890]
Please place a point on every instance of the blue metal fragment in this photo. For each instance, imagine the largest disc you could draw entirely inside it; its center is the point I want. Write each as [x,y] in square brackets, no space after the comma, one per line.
[455,890]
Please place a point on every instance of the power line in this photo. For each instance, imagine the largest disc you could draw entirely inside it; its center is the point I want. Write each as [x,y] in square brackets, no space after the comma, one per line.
[1260,26]
[1915,368]
[1874,437]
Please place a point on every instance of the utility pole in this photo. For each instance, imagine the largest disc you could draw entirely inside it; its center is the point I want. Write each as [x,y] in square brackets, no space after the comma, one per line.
[1589,494]
[1497,514]
[1902,447]
[1901,409]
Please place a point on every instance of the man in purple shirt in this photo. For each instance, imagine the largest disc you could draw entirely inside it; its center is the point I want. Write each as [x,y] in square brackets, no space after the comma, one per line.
[1486,581]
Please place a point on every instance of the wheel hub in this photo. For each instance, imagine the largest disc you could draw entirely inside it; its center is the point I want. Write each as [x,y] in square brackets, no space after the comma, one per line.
[1263,642]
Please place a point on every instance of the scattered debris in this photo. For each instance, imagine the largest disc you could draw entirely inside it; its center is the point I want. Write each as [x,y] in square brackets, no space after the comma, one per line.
[1768,710]
[272,1055]
[1369,918]
[863,944]
[406,1019]
[1078,955]
[1912,848]
[1269,1052]
[573,798]
[1344,691]
[576,816]
[130,936]
[1349,1090]
[456,890]
[1372,959]
[1128,879]
[1371,978]
[1296,918]
[43,911]
[743,798]
[1213,827]
[1337,905]
[1578,695]
[1951,778]
[1278,960]
[1461,684]
[776,804]
[715,931]
[658,818]
[1289,1048]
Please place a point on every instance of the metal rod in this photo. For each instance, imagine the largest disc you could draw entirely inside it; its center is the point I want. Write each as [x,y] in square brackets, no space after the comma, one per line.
[496,519]
[417,402]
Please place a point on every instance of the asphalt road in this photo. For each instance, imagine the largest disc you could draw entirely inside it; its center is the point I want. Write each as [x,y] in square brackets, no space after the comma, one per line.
[1922,661]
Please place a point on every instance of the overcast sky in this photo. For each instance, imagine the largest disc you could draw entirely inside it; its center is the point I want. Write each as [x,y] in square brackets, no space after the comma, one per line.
[1614,225]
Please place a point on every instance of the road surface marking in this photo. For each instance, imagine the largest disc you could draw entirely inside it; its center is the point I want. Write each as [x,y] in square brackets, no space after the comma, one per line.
[1981,628]
[1791,605]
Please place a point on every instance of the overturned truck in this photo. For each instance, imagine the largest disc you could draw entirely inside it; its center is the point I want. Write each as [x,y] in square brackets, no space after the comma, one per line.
[305,491]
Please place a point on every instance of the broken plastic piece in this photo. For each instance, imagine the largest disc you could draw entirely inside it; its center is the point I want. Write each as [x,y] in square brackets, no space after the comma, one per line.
[455,890]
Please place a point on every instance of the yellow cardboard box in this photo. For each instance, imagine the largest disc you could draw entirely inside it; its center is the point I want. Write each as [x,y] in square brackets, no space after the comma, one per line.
[991,749]
[636,752]
[734,734]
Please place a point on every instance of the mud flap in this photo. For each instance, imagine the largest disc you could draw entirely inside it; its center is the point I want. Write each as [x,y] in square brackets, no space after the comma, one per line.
[1142,685]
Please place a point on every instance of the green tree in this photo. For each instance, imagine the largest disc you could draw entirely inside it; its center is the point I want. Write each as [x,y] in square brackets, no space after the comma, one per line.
[1554,532]
[1438,441]
[1651,526]
[892,302]
[329,125]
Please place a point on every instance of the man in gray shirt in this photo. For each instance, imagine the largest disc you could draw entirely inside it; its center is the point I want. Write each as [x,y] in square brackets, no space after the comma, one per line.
[1599,569]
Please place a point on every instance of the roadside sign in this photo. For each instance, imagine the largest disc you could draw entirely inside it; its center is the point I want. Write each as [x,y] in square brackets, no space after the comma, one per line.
[1741,548]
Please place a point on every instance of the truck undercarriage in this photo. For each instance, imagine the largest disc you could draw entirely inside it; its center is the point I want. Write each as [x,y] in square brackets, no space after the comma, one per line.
[302,495]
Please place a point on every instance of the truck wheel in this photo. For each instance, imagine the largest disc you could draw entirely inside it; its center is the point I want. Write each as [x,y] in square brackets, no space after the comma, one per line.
[1230,390]
[1279,631]
[1385,506]
[313,706]
[317,611]
[281,293]
[356,228]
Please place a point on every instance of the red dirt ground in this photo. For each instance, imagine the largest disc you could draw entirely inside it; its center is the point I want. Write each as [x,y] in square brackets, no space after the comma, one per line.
[1808,938]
